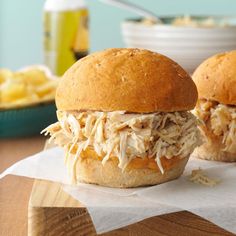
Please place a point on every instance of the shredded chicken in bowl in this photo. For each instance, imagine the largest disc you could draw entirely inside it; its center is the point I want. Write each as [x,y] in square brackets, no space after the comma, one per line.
[127,136]
[220,119]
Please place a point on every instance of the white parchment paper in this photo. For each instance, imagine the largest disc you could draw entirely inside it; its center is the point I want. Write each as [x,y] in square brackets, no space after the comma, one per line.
[114,208]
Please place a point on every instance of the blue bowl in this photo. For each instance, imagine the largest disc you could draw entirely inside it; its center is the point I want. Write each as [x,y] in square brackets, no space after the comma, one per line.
[26,121]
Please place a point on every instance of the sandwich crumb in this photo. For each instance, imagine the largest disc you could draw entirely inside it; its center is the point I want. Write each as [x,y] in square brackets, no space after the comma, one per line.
[198,177]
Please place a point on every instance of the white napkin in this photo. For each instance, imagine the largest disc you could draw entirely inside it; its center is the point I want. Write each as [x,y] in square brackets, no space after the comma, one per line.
[114,208]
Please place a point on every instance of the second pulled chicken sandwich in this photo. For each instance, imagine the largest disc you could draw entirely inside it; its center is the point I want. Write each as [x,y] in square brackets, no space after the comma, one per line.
[216,82]
[124,120]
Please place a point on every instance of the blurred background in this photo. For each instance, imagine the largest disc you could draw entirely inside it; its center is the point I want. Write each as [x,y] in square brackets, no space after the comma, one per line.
[21,27]
[40,40]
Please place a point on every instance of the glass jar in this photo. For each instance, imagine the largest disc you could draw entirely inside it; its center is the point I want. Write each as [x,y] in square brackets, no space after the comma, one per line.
[66,34]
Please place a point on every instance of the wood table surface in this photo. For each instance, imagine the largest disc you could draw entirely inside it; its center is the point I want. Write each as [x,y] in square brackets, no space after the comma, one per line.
[15,192]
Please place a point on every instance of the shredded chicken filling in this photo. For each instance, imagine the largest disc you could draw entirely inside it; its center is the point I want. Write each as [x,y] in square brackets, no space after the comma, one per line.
[127,136]
[220,120]
[197,176]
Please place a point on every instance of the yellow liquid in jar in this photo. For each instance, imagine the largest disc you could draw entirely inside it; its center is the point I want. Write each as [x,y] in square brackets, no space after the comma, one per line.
[66,38]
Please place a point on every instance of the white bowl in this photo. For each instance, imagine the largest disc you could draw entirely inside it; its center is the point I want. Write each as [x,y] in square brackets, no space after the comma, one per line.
[188,46]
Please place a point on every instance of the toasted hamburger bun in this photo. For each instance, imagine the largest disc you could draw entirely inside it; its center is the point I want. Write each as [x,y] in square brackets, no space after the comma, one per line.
[131,80]
[216,78]
[213,149]
[139,172]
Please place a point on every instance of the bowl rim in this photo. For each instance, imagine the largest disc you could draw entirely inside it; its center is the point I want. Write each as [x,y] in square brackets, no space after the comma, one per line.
[28,106]
[135,21]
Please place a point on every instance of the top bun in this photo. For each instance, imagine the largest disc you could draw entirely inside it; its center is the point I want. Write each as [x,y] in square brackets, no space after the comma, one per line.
[216,78]
[131,80]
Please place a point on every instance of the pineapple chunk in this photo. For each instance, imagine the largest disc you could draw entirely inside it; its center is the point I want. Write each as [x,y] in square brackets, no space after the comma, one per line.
[4,75]
[46,89]
[32,76]
[13,92]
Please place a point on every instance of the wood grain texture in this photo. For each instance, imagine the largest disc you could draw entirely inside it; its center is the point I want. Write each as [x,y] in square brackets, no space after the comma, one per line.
[53,212]
[15,191]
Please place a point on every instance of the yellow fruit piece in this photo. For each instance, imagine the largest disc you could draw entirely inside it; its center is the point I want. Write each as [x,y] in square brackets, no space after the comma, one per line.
[4,75]
[19,77]
[26,87]
[46,88]
[36,77]
[13,92]
[32,76]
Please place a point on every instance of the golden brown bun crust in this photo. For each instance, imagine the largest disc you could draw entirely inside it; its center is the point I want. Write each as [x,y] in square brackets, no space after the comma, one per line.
[90,170]
[212,148]
[130,80]
[216,78]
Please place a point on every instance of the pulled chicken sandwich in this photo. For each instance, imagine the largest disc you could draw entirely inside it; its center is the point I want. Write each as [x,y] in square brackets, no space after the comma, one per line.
[216,107]
[124,120]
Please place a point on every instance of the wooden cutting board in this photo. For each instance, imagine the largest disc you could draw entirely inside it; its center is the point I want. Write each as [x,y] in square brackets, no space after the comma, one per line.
[53,212]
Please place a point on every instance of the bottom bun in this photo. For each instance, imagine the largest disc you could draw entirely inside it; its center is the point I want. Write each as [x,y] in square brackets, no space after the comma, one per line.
[90,170]
[213,149]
